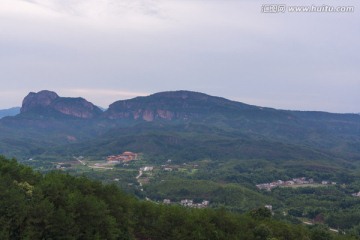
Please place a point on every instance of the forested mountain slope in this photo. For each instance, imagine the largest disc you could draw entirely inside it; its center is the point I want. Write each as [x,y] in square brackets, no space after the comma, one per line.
[177,121]
[58,206]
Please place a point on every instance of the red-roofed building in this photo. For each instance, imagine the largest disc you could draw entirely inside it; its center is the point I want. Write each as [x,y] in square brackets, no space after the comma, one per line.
[125,157]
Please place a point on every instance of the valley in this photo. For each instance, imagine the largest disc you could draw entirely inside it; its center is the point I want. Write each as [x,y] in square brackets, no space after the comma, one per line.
[192,149]
[230,184]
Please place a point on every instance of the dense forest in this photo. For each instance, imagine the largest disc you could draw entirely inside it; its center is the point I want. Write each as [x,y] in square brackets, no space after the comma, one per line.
[60,206]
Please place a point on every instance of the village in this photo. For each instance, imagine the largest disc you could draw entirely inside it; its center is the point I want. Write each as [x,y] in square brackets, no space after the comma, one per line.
[111,161]
[128,156]
[302,181]
[168,168]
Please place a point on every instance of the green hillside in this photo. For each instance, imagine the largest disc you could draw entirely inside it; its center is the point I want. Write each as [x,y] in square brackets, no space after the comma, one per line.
[59,206]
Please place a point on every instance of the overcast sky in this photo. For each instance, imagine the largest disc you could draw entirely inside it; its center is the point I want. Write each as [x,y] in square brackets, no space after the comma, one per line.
[107,50]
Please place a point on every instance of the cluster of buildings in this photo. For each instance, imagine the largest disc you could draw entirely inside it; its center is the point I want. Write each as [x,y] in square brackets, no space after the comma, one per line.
[190,203]
[294,181]
[328,183]
[122,158]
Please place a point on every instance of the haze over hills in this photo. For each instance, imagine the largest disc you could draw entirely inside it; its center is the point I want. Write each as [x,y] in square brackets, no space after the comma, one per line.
[9,112]
[177,123]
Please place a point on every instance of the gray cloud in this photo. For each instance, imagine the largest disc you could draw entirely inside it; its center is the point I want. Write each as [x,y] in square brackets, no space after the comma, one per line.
[306,61]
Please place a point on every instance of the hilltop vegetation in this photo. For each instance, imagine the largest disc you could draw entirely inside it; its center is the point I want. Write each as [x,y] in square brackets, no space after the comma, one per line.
[59,206]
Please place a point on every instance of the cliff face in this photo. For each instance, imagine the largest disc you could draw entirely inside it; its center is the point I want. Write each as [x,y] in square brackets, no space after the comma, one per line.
[181,105]
[49,102]
[138,113]
[158,106]
[34,101]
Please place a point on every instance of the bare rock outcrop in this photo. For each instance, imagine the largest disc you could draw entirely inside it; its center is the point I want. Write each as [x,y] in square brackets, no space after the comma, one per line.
[49,103]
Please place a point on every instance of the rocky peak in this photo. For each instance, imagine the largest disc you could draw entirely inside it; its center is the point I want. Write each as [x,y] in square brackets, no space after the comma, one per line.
[48,103]
[38,100]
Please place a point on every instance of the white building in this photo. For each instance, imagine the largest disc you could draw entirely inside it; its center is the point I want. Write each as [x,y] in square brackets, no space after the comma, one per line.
[147,169]
[167,201]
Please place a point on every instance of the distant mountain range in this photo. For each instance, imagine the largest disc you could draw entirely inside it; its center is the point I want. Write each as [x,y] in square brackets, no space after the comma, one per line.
[178,105]
[179,124]
[9,112]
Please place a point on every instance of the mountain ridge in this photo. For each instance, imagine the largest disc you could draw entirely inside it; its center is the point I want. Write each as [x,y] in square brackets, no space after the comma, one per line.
[181,98]
[52,121]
